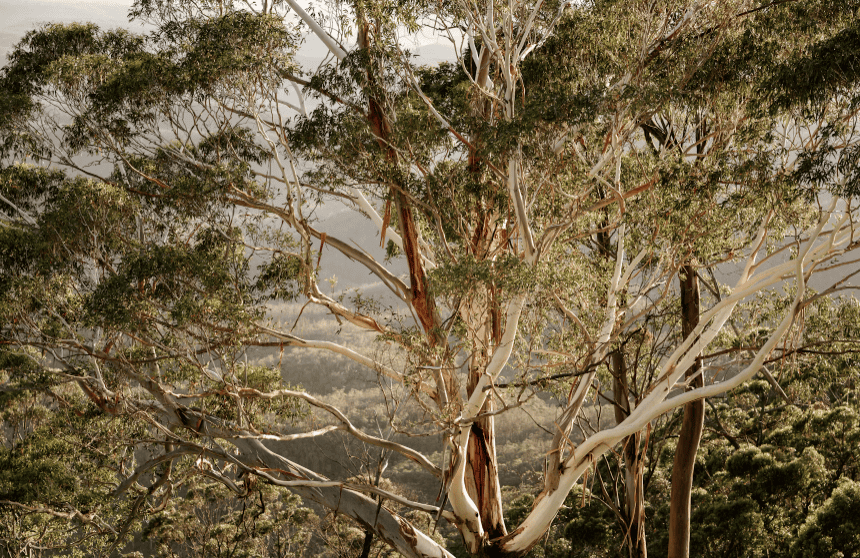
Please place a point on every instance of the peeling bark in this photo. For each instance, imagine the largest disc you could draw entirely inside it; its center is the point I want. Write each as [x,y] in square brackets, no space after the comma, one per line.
[483,316]
[483,475]
[421,298]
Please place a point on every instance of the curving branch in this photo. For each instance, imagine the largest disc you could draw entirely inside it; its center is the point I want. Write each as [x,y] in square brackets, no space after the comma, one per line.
[405,451]
[321,33]
[295,341]
[389,279]
[253,456]
[655,402]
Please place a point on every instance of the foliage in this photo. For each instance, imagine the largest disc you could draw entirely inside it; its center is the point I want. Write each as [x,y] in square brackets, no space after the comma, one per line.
[207,521]
[772,478]
[57,467]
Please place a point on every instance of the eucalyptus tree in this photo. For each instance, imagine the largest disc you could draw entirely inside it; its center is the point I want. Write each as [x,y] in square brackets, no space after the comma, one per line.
[538,197]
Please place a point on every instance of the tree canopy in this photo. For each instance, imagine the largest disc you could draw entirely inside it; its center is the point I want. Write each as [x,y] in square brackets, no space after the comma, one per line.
[633,204]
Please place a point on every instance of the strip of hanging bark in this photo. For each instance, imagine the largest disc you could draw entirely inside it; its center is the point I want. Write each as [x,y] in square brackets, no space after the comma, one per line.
[482,465]
[322,244]
[421,300]
[385,220]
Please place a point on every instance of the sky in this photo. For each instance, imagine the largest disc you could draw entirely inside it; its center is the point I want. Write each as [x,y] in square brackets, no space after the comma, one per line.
[20,16]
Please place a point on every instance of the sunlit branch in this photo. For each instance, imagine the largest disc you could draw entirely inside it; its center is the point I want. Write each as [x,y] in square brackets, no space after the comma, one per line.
[407,452]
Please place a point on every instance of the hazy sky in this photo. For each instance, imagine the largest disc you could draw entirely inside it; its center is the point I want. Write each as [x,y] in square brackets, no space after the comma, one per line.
[19,16]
